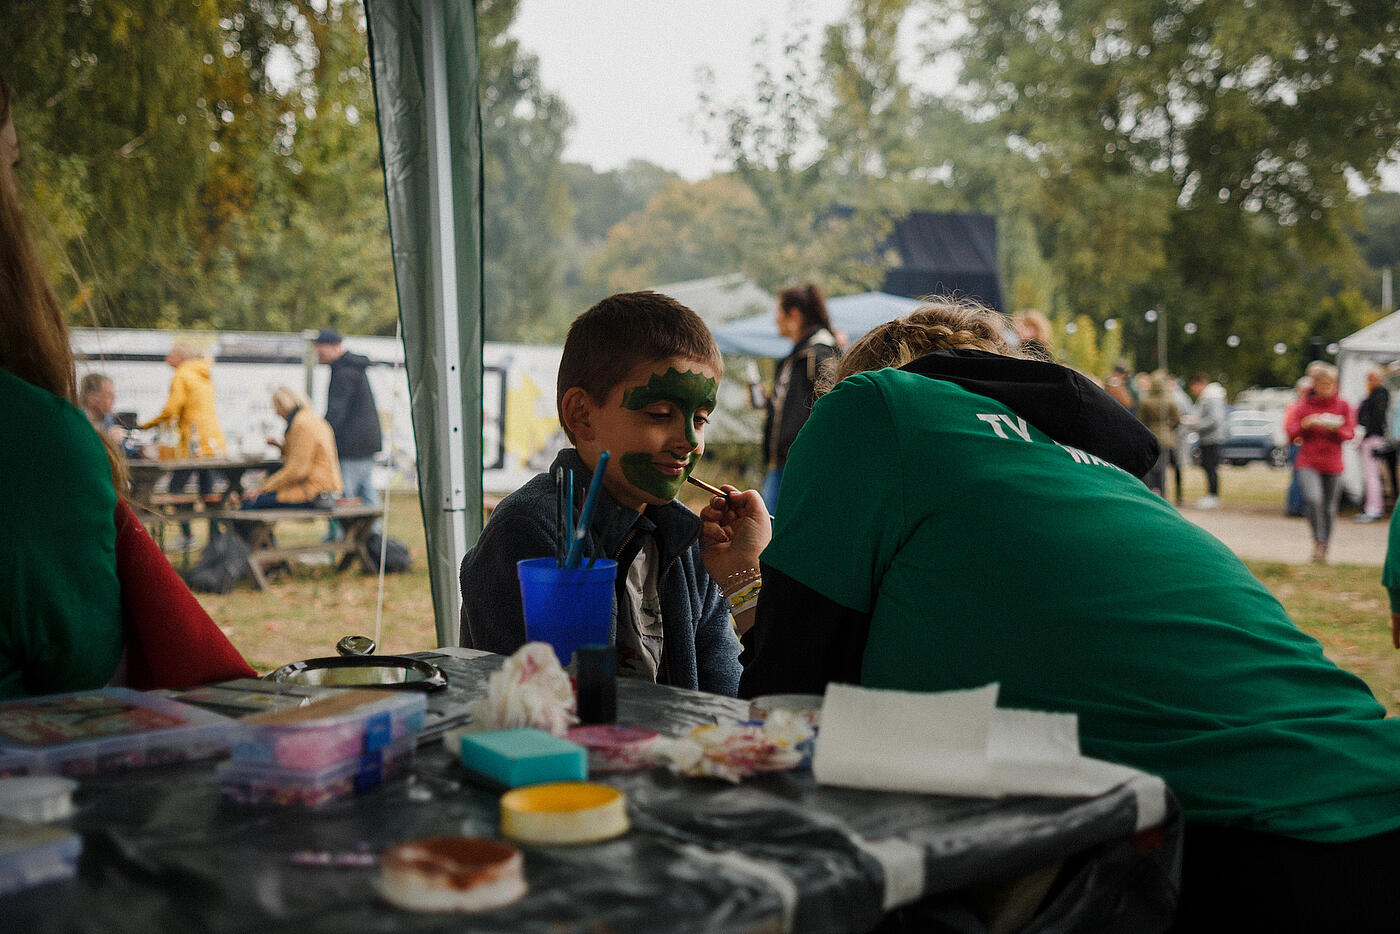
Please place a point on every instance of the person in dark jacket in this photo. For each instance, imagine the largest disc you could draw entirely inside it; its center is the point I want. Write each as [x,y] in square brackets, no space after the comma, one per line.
[1370,418]
[352,415]
[802,319]
[638,379]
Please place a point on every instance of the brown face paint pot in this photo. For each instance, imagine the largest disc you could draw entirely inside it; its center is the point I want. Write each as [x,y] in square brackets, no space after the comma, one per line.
[451,874]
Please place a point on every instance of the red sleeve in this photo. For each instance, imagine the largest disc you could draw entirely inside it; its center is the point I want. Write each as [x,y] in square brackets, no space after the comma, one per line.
[170,640]
[1291,419]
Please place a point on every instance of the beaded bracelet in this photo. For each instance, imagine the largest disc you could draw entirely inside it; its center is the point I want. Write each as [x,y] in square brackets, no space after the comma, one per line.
[739,578]
[746,598]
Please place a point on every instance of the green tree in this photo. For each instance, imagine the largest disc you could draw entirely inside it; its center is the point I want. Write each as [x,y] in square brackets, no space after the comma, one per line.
[1378,238]
[526,205]
[314,246]
[602,199]
[203,163]
[1220,133]
[686,231]
[113,130]
[821,218]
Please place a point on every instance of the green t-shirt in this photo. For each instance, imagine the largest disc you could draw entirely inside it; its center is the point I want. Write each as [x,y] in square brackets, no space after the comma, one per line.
[60,609]
[1390,573]
[986,552]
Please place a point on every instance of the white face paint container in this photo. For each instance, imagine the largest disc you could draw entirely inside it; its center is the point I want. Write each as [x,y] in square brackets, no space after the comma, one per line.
[37,798]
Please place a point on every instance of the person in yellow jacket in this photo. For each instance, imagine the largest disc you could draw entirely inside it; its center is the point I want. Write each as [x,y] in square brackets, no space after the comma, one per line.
[190,406]
[310,466]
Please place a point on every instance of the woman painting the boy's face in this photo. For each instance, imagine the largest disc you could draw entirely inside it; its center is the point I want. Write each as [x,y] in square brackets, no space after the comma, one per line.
[653,425]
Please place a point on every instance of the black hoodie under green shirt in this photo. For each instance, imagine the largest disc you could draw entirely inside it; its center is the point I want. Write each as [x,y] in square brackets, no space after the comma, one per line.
[973,519]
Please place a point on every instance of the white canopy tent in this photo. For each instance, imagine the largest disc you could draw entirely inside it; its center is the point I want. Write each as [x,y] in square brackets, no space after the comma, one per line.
[1377,344]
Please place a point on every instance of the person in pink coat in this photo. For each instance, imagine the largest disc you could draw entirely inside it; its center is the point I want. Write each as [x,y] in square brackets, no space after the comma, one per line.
[1320,422]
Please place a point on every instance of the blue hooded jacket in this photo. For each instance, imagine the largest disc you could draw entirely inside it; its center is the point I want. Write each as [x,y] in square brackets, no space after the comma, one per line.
[700,651]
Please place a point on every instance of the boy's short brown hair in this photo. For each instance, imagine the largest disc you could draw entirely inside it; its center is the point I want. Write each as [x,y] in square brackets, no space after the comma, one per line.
[612,338]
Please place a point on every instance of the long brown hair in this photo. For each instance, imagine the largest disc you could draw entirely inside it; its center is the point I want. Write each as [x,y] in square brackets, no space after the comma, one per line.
[34,342]
[938,324]
[808,300]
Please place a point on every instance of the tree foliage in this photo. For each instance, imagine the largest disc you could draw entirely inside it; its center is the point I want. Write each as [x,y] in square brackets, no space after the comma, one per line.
[215,163]
[1192,154]
[204,164]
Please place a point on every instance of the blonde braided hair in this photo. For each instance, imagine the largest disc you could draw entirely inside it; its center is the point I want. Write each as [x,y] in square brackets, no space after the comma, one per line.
[941,323]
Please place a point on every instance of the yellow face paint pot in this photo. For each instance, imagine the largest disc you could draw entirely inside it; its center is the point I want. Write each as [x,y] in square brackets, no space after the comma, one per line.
[564,813]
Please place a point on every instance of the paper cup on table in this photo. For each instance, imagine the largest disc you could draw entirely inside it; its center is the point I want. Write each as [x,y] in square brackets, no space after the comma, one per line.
[567,607]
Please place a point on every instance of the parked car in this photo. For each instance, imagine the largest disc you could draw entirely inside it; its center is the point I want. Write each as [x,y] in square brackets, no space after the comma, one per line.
[1252,435]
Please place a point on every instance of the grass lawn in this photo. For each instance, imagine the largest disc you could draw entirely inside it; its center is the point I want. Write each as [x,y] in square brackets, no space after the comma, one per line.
[307,610]
[1344,607]
[304,612]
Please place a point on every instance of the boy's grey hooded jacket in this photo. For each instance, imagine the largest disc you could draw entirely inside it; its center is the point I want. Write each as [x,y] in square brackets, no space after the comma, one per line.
[701,650]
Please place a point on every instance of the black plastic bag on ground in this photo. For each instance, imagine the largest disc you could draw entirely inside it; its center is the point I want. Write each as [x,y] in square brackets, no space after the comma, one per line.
[396,561]
[222,564]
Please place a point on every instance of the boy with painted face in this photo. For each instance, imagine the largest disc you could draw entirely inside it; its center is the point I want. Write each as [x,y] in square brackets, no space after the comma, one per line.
[638,378]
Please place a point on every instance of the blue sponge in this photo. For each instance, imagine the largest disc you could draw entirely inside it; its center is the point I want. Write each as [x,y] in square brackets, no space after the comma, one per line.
[524,757]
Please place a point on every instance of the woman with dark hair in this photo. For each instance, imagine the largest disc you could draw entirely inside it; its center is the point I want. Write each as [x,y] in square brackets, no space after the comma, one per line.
[990,529]
[68,619]
[802,319]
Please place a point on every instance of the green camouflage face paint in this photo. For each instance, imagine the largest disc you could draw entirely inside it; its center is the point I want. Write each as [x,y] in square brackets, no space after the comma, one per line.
[690,392]
[641,472]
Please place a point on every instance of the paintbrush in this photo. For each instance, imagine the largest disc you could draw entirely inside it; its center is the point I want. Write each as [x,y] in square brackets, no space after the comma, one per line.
[575,553]
[561,538]
[712,490]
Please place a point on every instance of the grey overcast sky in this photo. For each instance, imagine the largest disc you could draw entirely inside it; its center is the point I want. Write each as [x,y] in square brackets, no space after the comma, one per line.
[628,69]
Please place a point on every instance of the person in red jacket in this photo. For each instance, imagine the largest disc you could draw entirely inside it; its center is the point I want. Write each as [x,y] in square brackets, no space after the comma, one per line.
[1320,422]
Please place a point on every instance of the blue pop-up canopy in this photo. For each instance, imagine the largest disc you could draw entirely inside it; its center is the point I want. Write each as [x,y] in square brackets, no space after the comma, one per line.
[853,315]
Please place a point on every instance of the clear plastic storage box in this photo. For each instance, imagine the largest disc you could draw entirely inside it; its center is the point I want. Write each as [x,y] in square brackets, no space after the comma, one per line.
[246,782]
[17,762]
[330,731]
[108,730]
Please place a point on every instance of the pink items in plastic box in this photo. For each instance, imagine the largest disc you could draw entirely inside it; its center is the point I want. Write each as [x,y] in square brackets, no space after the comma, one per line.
[329,731]
[253,783]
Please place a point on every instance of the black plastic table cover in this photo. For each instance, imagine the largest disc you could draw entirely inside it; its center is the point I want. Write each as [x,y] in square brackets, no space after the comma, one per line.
[163,853]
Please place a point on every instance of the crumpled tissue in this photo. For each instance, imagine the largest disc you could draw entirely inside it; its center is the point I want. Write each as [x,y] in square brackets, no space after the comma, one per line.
[735,751]
[530,690]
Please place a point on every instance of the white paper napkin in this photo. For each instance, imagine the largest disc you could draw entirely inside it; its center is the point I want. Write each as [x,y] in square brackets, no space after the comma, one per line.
[953,743]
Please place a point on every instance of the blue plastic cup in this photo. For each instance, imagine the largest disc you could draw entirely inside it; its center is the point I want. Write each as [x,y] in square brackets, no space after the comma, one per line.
[567,607]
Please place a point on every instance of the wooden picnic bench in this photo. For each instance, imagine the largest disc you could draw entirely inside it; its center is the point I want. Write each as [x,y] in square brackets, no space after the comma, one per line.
[157,510]
[255,526]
